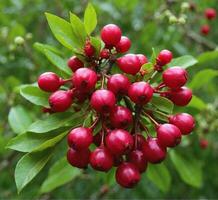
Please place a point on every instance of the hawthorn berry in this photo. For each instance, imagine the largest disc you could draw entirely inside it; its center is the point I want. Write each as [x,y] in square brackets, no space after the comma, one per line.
[164,57]
[205,29]
[142,58]
[123,45]
[210,13]
[140,92]
[119,142]
[80,95]
[75,63]
[181,97]
[105,54]
[49,82]
[183,121]
[127,175]
[175,77]
[89,50]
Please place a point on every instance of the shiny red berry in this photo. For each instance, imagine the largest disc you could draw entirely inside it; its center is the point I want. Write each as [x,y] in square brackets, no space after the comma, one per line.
[175,77]
[210,13]
[127,175]
[103,101]
[181,97]
[89,50]
[205,29]
[111,34]
[183,121]
[140,92]
[140,141]
[74,63]
[123,45]
[105,54]
[49,82]
[142,58]
[203,143]
[101,159]
[119,142]
[164,57]
[78,159]
[129,64]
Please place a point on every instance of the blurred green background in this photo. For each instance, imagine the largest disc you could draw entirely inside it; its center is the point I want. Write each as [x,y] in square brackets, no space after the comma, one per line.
[147,24]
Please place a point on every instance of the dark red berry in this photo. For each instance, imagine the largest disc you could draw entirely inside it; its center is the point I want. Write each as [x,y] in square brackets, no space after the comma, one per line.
[120,117]
[80,138]
[118,84]
[175,77]
[137,158]
[205,29]
[143,59]
[154,153]
[127,175]
[60,100]
[78,159]
[101,159]
[111,34]
[129,64]
[119,142]
[103,101]
[181,97]
[123,45]
[184,122]
[117,160]
[105,54]
[80,95]
[89,50]
[84,79]
[139,142]
[140,92]
[168,135]
[210,13]
[49,82]
[164,57]
[74,63]
[203,143]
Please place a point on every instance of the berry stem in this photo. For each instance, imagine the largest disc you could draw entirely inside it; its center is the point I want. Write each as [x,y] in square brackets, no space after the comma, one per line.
[161,113]
[161,92]
[92,127]
[160,86]
[152,76]
[151,119]
[62,81]
[102,82]
[145,128]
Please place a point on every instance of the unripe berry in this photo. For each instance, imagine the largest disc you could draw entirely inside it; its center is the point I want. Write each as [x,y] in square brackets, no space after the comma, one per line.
[164,57]
[49,82]
[139,142]
[210,13]
[60,100]
[184,122]
[80,138]
[137,158]
[89,50]
[127,175]
[119,142]
[181,97]
[101,159]
[203,143]
[78,159]
[120,117]
[84,79]
[111,34]
[154,153]
[123,45]
[74,63]
[175,77]
[118,84]
[142,58]
[168,135]
[140,92]
[103,101]
[105,54]
[129,64]
[205,29]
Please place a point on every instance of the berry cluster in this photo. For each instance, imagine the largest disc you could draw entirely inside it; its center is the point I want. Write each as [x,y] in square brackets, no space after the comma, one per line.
[118,105]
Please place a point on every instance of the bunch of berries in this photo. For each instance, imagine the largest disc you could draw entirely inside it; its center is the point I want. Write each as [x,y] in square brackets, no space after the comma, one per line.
[118,104]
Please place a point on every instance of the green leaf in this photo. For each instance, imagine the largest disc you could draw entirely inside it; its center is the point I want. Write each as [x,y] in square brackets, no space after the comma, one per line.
[62,30]
[183,61]
[36,96]
[153,56]
[197,103]
[160,176]
[202,78]
[205,57]
[189,170]
[41,47]
[96,43]
[90,19]
[19,119]
[148,67]
[29,166]
[59,174]
[162,104]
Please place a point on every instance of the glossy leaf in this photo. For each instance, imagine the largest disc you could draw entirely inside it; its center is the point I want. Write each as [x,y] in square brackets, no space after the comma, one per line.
[183,61]
[41,47]
[90,19]
[162,104]
[197,103]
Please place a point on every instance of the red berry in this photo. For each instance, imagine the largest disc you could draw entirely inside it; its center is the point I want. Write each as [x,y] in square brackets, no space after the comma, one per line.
[118,84]
[205,29]
[78,159]
[120,117]
[127,175]
[129,64]
[154,153]
[103,101]
[175,77]
[143,59]
[49,82]
[137,158]
[105,54]
[210,13]
[80,95]
[168,135]
[119,142]
[60,100]
[123,45]
[203,143]
[164,57]
[101,159]
[74,63]
[111,34]
[181,97]
[84,79]
[117,160]
[89,50]
[80,138]
[140,92]
[140,141]
[184,122]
